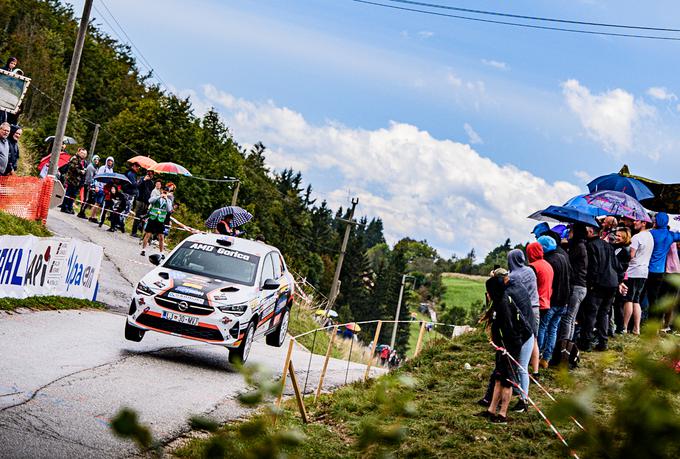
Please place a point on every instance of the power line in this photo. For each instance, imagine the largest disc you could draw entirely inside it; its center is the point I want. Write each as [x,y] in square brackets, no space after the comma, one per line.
[516,24]
[533,18]
[142,59]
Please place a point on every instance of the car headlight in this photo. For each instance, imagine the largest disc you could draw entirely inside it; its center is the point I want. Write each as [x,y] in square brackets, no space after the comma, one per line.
[143,289]
[239,308]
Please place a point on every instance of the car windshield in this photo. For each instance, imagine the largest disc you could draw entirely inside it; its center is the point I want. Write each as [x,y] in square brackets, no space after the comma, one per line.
[215,261]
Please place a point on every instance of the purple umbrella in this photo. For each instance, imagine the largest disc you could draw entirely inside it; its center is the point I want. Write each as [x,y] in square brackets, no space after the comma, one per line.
[618,203]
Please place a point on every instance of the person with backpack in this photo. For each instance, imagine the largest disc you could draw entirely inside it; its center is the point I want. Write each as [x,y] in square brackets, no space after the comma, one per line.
[117,208]
[157,217]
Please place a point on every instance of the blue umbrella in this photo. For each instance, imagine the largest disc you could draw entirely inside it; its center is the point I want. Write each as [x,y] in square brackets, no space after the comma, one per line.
[240,216]
[618,203]
[616,182]
[569,215]
[110,177]
[579,202]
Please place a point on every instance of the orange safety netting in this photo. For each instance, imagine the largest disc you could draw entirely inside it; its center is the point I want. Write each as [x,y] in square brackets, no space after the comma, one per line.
[26,197]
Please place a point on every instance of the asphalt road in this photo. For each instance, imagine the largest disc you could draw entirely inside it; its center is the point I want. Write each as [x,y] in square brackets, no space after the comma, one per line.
[63,375]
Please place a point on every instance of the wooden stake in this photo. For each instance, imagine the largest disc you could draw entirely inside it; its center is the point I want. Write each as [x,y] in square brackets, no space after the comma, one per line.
[375,343]
[285,369]
[420,339]
[325,363]
[298,394]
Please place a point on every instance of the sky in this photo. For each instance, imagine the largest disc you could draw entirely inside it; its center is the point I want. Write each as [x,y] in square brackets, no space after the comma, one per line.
[451,131]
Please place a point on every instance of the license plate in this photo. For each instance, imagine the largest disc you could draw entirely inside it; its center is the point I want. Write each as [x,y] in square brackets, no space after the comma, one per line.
[181,318]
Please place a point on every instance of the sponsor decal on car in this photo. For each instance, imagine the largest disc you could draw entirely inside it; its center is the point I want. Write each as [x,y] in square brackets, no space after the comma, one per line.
[189,290]
[220,251]
[179,296]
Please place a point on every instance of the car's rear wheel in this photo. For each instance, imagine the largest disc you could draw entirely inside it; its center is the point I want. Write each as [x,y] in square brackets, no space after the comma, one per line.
[240,354]
[133,333]
[277,338]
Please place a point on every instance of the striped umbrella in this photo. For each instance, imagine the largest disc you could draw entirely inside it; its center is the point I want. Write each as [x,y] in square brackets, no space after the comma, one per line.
[239,216]
[171,168]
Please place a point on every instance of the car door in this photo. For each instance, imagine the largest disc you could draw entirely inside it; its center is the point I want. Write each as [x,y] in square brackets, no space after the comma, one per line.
[267,297]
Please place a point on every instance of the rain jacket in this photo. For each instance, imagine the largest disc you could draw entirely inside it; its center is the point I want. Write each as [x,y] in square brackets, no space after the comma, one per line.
[520,296]
[13,158]
[507,327]
[75,174]
[544,274]
[561,285]
[604,269]
[663,238]
[578,258]
[520,272]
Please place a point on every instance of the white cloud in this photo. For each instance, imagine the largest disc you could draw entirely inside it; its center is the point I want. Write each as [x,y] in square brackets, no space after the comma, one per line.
[661,93]
[473,137]
[423,187]
[425,34]
[583,176]
[496,64]
[614,118]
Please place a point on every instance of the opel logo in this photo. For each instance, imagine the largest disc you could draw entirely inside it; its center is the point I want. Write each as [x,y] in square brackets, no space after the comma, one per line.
[183,306]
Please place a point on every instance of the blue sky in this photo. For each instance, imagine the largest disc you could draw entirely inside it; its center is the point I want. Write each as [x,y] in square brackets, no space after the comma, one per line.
[451,131]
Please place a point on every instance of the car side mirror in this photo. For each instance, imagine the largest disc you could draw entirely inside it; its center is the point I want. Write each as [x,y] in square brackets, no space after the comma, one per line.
[155,259]
[270,284]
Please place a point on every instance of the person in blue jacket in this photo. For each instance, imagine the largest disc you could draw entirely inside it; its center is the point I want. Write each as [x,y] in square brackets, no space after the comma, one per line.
[663,238]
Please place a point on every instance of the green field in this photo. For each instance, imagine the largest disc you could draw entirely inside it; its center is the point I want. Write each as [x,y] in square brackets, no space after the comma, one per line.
[9,224]
[462,292]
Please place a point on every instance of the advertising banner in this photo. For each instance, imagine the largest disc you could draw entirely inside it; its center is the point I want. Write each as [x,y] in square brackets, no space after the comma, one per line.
[34,266]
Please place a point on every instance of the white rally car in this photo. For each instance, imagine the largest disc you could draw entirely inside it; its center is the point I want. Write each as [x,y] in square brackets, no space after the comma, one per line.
[216,289]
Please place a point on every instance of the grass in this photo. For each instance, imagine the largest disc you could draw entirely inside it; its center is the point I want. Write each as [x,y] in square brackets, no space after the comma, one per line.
[15,226]
[462,292]
[444,396]
[47,303]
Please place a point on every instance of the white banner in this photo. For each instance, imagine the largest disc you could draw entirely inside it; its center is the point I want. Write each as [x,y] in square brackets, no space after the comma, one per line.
[35,266]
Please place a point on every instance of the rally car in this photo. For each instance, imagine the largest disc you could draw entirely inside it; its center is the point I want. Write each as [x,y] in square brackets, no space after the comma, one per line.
[216,289]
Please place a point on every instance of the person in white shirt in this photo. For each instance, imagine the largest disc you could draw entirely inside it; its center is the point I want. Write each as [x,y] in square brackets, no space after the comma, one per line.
[641,247]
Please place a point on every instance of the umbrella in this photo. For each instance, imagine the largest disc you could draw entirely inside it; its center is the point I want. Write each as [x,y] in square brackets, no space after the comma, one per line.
[63,159]
[579,202]
[171,168]
[329,313]
[110,177]
[353,326]
[383,346]
[67,140]
[617,182]
[618,203]
[569,215]
[666,195]
[240,216]
[144,161]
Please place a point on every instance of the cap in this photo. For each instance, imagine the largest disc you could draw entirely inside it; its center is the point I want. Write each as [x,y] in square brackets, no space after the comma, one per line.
[540,229]
[499,272]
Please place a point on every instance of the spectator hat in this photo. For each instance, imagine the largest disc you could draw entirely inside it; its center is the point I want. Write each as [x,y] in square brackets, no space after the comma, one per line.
[499,272]
[540,229]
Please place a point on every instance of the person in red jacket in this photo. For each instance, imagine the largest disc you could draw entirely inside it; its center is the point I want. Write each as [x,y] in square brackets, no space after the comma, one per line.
[544,282]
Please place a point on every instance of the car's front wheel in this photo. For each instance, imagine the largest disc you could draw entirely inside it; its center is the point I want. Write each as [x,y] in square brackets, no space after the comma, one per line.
[240,354]
[279,336]
[133,333]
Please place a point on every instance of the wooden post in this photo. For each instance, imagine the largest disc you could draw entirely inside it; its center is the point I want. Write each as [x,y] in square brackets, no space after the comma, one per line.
[285,369]
[375,343]
[420,339]
[325,363]
[298,394]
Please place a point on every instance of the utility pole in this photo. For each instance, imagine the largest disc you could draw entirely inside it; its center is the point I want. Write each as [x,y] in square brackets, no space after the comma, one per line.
[396,316]
[70,86]
[336,278]
[93,144]
[234,196]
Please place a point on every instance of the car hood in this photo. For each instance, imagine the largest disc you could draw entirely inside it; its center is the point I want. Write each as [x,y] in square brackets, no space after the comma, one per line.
[194,288]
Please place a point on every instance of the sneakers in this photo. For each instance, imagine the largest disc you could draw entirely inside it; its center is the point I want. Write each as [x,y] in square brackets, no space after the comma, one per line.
[483,402]
[142,253]
[601,347]
[93,220]
[485,414]
[543,364]
[498,419]
[520,406]
[536,376]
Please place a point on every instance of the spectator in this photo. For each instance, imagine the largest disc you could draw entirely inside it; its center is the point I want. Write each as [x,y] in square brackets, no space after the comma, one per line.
[603,278]
[90,187]
[540,229]
[608,230]
[550,318]
[11,65]
[75,178]
[4,148]
[131,190]
[544,279]
[155,225]
[158,187]
[13,142]
[110,196]
[145,187]
[384,355]
[663,239]
[622,251]
[525,275]
[641,247]
[100,194]
[672,267]
[118,206]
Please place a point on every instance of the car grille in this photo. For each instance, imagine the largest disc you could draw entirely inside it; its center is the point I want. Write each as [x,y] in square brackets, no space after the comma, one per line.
[192,308]
[182,329]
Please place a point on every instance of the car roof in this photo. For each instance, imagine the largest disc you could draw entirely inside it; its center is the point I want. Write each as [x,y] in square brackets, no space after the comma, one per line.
[243,245]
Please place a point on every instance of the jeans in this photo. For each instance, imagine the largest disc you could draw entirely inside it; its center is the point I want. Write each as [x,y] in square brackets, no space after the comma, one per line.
[552,326]
[141,208]
[568,322]
[546,315]
[69,198]
[524,358]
